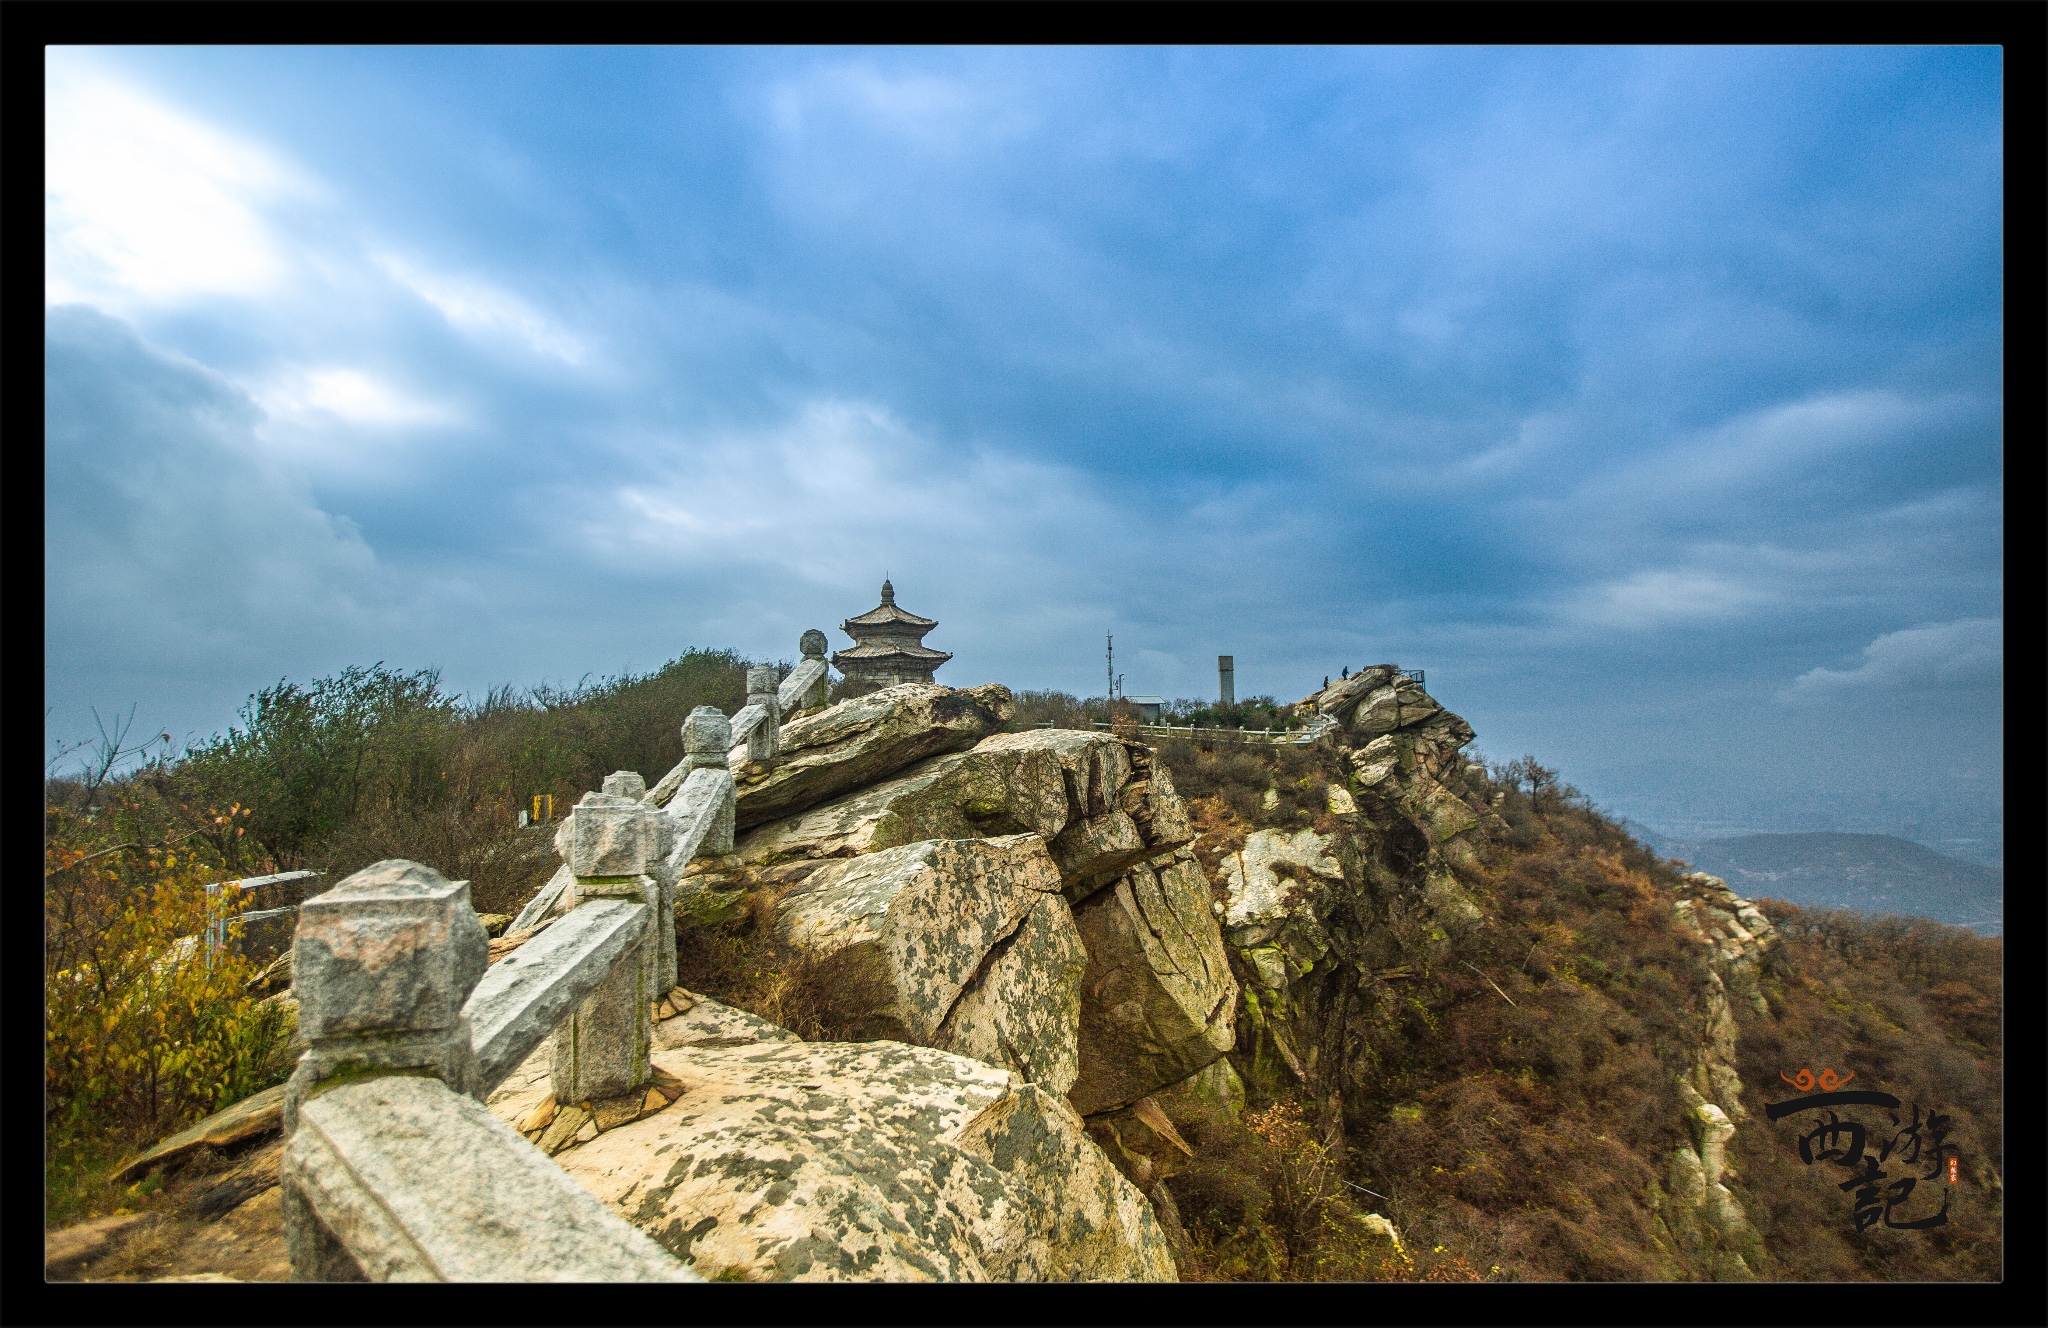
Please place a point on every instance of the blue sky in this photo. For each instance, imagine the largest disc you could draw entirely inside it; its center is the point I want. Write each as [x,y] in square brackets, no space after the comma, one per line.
[1649,399]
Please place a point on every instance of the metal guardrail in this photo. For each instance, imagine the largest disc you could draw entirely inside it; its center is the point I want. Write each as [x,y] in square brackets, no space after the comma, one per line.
[1277,737]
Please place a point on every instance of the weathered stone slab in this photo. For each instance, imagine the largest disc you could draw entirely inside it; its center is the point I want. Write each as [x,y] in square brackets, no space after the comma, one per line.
[1022,1009]
[700,1021]
[866,739]
[251,1118]
[902,932]
[1096,1225]
[866,1162]
[1377,761]
[1096,848]
[1157,1000]
[419,1183]
[1121,805]
[978,794]
[1344,695]
[1443,813]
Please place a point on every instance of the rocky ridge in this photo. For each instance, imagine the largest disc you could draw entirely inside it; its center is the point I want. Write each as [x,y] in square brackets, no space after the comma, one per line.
[1052,974]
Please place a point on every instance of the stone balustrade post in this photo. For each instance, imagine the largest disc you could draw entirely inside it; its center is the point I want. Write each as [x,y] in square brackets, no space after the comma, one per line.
[625,784]
[631,786]
[707,738]
[601,1050]
[381,967]
[761,742]
[812,644]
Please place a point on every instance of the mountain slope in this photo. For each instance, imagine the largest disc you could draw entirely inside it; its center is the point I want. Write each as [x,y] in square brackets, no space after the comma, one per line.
[1867,873]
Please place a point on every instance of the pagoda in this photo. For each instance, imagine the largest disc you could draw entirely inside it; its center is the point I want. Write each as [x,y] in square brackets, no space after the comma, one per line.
[888,645]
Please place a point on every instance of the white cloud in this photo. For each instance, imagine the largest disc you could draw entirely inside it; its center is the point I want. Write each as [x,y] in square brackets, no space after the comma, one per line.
[1968,652]
[174,542]
[927,111]
[476,306]
[1664,598]
[144,203]
[841,478]
[1767,446]
[349,396]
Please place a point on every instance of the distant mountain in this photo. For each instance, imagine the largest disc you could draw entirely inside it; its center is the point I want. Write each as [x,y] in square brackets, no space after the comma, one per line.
[1869,873]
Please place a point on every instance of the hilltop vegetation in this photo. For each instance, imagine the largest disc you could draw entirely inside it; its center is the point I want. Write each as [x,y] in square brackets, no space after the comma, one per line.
[333,775]
[1525,1088]
[1522,1097]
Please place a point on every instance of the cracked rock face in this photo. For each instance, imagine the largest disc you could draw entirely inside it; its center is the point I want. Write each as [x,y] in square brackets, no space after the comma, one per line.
[963,944]
[1278,885]
[1121,806]
[978,794]
[1734,938]
[1022,1009]
[1158,1001]
[866,739]
[869,1162]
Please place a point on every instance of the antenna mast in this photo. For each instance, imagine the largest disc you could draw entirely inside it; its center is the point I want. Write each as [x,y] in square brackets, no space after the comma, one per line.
[1110,695]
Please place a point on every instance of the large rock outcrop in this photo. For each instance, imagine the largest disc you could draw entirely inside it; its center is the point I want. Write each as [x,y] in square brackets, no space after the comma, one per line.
[939,946]
[1735,939]
[1158,1001]
[989,791]
[861,741]
[876,1161]
[963,944]
[1319,919]
[1100,803]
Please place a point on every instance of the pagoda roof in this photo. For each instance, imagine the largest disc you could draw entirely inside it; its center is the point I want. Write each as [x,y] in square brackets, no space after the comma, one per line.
[886,614]
[890,650]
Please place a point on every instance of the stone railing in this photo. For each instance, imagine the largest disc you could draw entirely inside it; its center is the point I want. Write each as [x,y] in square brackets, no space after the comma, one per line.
[393,1168]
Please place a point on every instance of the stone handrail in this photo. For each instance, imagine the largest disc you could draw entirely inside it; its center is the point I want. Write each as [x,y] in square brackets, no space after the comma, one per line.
[745,720]
[803,687]
[399,1178]
[408,1027]
[524,995]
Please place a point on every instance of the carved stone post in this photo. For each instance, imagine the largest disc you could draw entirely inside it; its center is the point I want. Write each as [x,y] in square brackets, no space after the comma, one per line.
[629,785]
[625,784]
[601,1051]
[381,966]
[812,644]
[707,737]
[761,742]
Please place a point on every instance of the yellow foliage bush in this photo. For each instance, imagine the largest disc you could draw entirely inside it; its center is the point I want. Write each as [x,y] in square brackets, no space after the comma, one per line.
[149,1023]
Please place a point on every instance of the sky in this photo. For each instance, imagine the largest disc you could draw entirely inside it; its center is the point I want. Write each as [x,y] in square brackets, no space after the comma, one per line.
[1649,400]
